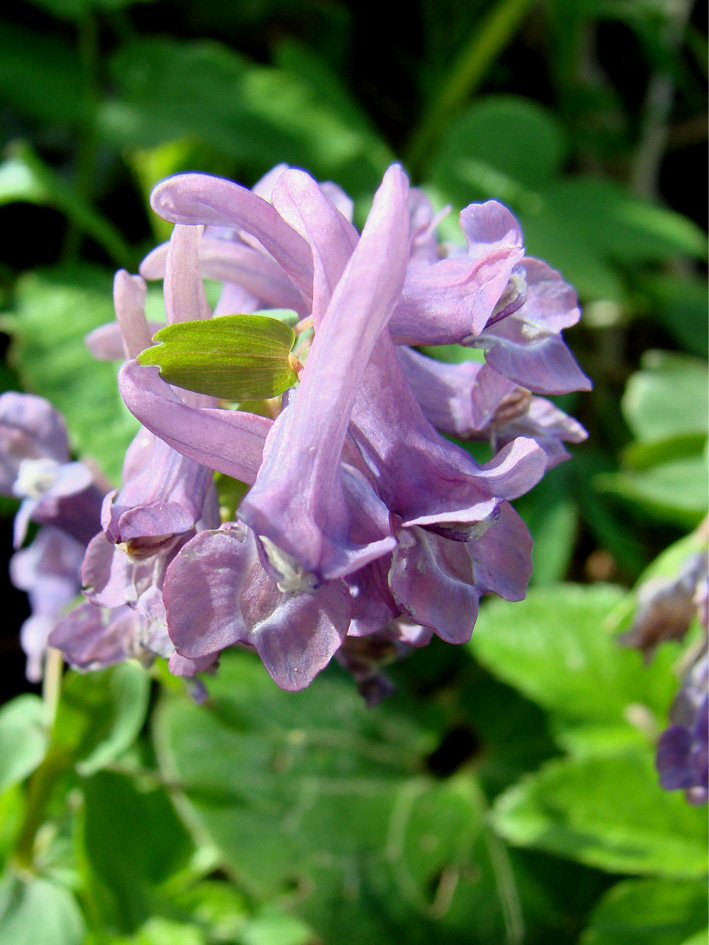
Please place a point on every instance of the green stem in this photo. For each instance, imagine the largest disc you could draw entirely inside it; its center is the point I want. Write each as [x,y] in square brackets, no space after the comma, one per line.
[86,145]
[38,794]
[495,32]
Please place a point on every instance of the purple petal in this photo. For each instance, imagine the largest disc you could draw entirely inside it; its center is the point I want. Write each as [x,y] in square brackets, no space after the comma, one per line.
[217,593]
[551,304]
[305,445]
[129,303]
[185,299]
[539,361]
[229,441]
[30,428]
[91,637]
[420,476]
[195,199]
[302,203]
[166,498]
[453,298]
[432,579]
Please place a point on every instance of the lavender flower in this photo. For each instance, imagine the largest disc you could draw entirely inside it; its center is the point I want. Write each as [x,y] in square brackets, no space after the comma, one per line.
[48,570]
[35,467]
[683,750]
[361,518]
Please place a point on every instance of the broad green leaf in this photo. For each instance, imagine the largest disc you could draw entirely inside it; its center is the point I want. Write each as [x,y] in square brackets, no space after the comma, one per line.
[35,910]
[133,842]
[667,398]
[679,303]
[55,308]
[648,912]
[236,357]
[313,790]
[607,812]
[101,713]
[501,135]
[254,115]
[39,78]
[23,739]
[275,928]
[674,492]
[554,647]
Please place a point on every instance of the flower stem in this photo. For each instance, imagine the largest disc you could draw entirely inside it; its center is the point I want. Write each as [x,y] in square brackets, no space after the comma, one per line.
[466,74]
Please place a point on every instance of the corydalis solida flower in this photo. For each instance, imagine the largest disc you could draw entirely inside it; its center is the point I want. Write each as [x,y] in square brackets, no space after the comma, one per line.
[361,516]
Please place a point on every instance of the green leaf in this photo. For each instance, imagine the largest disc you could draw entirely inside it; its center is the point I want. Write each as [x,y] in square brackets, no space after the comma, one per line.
[101,713]
[134,842]
[23,739]
[648,912]
[236,357]
[254,115]
[39,78]
[668,398]
[679,304]
[607,812]
[54,309]
[554,647]
[36,910]
[313,790]
[674,492]
[500,135]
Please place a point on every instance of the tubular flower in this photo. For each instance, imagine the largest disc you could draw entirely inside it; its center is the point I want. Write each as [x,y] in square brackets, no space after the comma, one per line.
[365,531]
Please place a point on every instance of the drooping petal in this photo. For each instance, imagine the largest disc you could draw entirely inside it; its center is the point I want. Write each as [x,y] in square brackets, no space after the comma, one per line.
[229,441]
[217,593]
[453,298]
[536,359]
[195,199]
[304,447]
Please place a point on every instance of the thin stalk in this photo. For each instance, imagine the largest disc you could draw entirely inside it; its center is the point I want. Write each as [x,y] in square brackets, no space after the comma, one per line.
[87,144]
[39,791]
[469,69]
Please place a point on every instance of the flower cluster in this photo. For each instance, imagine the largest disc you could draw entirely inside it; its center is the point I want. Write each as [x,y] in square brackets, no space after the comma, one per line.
[365,530]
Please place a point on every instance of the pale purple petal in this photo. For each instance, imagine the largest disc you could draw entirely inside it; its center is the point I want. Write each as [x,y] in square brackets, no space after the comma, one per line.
[185,299]
[195,199]
[420,476]
[229,441]
[433,579]
[92,637]
[30,428]
[453,298]
[302,203]
[129,302]
[305,444]
[538,360]
[551,304]
[217,593]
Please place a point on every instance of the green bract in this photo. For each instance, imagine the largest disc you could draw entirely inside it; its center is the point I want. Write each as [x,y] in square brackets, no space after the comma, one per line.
[236,357]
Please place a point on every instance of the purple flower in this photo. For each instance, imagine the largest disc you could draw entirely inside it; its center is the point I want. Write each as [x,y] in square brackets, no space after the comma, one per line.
[35,467]
[337,524]
[494,298]
[218,593]
[683,750]
[48,570]
[472,401]
[362,520]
